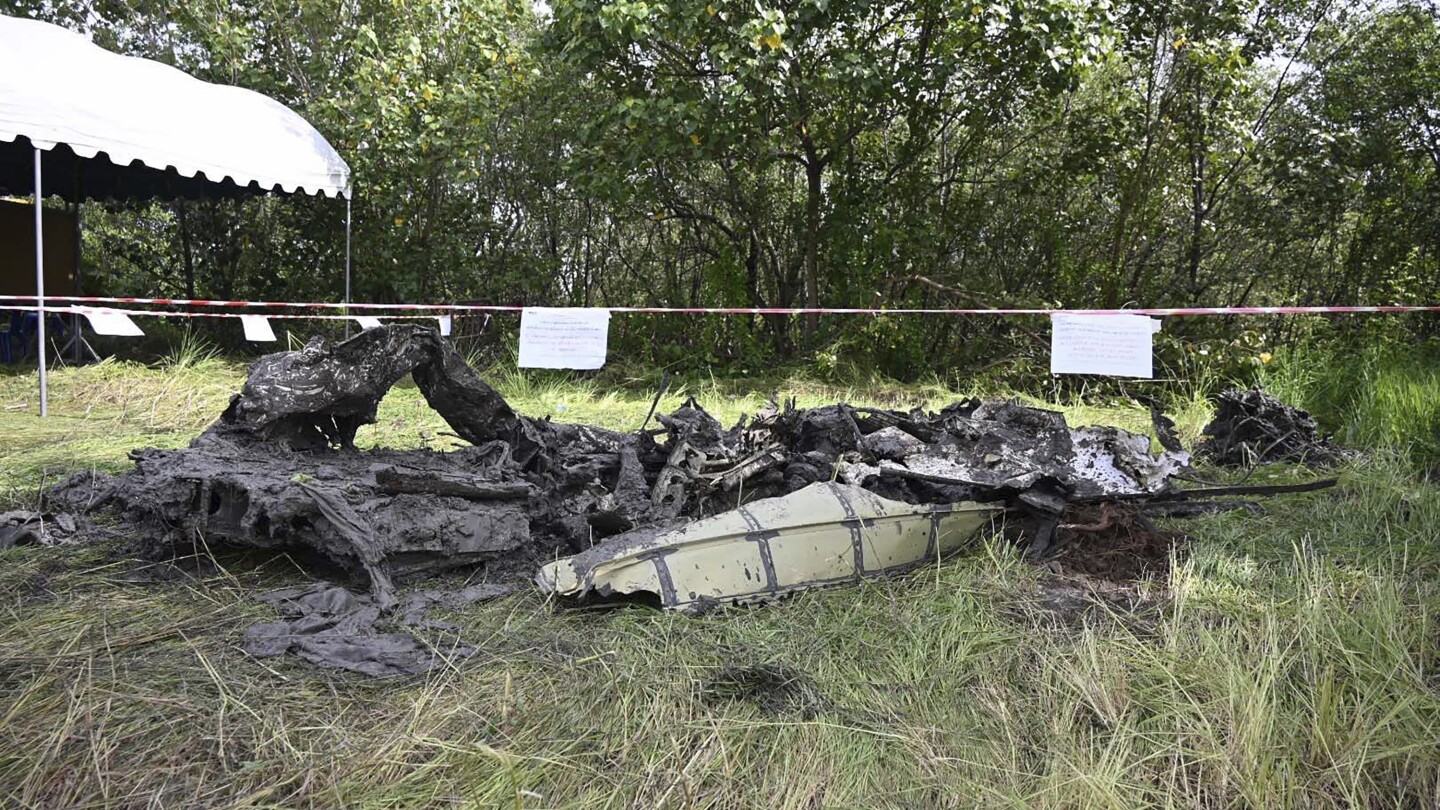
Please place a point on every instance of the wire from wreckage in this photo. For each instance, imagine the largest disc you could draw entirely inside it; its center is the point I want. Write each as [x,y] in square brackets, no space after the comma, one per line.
[655,403]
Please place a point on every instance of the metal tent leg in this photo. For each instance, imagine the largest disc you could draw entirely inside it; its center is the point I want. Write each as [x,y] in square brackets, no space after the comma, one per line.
[347,265]
[40,290]
[77,337]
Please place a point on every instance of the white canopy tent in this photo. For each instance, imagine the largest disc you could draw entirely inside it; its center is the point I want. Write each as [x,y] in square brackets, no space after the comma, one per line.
[122,127]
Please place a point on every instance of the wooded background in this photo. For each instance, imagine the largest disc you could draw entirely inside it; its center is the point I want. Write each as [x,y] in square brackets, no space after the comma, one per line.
[842,153]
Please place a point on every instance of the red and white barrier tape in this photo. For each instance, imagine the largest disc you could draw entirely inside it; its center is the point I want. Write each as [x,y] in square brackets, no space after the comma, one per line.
[174,314]
[415,310]
[196,302]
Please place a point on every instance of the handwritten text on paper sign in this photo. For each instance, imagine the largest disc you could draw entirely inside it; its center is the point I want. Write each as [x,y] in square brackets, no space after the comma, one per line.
[257,328]
[1113,345]
[563,338]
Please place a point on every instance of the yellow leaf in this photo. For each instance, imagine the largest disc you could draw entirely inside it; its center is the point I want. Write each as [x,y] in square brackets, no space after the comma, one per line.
[710,10]
[399,221]
[1266,357]
[428,94]
[695,138]
[773,41]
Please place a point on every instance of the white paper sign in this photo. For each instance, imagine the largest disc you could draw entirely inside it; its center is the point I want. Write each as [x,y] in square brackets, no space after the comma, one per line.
[563,338]
[257,328]
[110,322]
[367,321]
[1114,345]
[447,323]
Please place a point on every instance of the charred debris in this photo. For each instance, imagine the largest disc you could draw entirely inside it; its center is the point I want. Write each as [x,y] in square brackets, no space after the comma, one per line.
[1252,427]
[279,470]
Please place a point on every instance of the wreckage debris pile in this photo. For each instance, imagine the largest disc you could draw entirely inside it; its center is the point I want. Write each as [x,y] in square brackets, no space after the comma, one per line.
[279,470]
[1252,427]
[330,626]
[28,528]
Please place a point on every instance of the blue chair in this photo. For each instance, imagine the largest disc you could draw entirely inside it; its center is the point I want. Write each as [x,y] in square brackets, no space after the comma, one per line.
[10,336]
[23,329]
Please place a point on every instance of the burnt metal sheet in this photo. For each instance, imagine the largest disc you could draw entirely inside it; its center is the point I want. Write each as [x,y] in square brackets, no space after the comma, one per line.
[823,534]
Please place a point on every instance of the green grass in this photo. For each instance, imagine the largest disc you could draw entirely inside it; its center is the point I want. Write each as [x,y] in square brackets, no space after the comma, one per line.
[1290,661]
[1384,397]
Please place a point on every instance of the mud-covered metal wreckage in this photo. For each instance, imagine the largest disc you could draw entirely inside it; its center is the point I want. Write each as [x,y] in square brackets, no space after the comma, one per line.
[690,514]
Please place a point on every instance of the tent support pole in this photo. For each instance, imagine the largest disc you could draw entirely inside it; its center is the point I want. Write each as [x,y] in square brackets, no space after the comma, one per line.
[347,265]
[40,290]
[77,337]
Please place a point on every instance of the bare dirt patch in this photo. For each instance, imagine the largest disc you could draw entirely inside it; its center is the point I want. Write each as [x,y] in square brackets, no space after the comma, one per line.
[1116,543]
[778,689]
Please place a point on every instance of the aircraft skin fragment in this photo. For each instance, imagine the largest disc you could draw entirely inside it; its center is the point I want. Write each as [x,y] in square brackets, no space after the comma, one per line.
[823,534]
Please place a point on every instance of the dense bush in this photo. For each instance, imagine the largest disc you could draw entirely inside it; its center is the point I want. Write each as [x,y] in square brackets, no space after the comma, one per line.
[815,152]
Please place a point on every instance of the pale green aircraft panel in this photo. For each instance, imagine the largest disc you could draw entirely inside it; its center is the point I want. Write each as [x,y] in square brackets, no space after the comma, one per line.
[823,534]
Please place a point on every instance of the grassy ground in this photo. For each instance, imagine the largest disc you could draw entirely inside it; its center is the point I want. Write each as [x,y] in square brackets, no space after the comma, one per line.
[1290,661]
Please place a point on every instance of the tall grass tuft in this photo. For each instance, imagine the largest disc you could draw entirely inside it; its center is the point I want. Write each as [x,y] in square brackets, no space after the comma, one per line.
[191,351]
[1380,397]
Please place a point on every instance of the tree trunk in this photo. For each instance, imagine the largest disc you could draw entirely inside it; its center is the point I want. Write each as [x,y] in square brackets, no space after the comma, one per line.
[814,171]
[185,250]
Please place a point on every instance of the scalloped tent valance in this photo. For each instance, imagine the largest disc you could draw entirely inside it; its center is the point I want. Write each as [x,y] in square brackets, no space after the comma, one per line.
[161,132]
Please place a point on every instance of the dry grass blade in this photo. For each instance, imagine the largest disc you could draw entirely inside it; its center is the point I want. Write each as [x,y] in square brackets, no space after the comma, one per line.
[1292,662]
